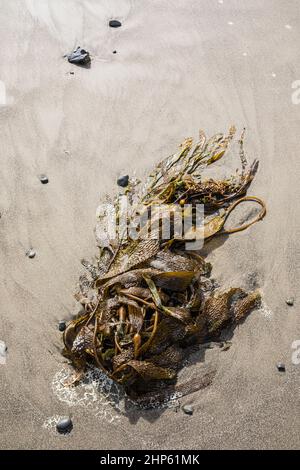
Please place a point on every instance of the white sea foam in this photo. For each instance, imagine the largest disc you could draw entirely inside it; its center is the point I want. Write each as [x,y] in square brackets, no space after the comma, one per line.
[100,395]
[265,310]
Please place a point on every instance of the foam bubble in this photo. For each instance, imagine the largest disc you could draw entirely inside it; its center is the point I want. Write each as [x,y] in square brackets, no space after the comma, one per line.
[103,397]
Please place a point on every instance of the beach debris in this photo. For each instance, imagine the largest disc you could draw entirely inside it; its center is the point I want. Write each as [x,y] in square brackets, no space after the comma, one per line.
[290,301]
[64,425]
[281,367]
[3,352]
[44,179]
[31,253]
[62,325]
[148,302]
[226,345]
[123,181]
[115,23]
[188,409]
[79,57]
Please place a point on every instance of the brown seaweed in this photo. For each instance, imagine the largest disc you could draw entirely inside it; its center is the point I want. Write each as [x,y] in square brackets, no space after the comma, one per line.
[147,300]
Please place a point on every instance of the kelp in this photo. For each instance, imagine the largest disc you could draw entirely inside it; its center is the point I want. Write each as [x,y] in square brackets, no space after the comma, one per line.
[146,301]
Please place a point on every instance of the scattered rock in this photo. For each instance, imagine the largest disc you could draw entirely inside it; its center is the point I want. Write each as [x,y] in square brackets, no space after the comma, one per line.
[281,367]
[115,24]
[226,345]
[62,325]
[188,409]
[31,253]
[114,52]
[123,181]
[79,57]
[64,425]
[290,301]
[44,179]
[72,73]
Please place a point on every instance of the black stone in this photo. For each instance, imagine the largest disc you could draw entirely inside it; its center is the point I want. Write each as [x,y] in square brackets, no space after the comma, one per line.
[115,24]
[44,179]
[64,426]
[114,52]
[79,57]
[31,253]
[281,367]
[123,181]
[62,325]
[188,409]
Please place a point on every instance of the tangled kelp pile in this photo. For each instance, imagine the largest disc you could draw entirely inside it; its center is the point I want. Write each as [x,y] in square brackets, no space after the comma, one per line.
[149,299]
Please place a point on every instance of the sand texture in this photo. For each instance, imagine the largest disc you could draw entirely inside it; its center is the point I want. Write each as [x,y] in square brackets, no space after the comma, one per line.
[180,66]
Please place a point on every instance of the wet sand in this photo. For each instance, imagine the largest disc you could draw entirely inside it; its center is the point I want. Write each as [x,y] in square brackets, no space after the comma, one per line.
[179,66]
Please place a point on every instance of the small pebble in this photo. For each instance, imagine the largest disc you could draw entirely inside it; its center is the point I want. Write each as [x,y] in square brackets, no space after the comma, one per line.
[123,181]
[62,325]
[79,57]
[281,367]
[71,73]
[290,301]
[31,253]
[44,179]
[226,345]
[114,52]
[64,426]
[115,24]
[188,409]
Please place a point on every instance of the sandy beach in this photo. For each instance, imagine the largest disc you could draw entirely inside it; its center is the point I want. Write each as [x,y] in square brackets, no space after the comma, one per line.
[179,66]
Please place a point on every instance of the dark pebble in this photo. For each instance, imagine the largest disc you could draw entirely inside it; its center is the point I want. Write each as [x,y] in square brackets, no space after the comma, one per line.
[79,57]
[64,426]
[62,325]
[290,301]
[281,367]
[188,409]
[123,181]
[114,52]
[44,179]
[115,24]
[31,253]
[71,73]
